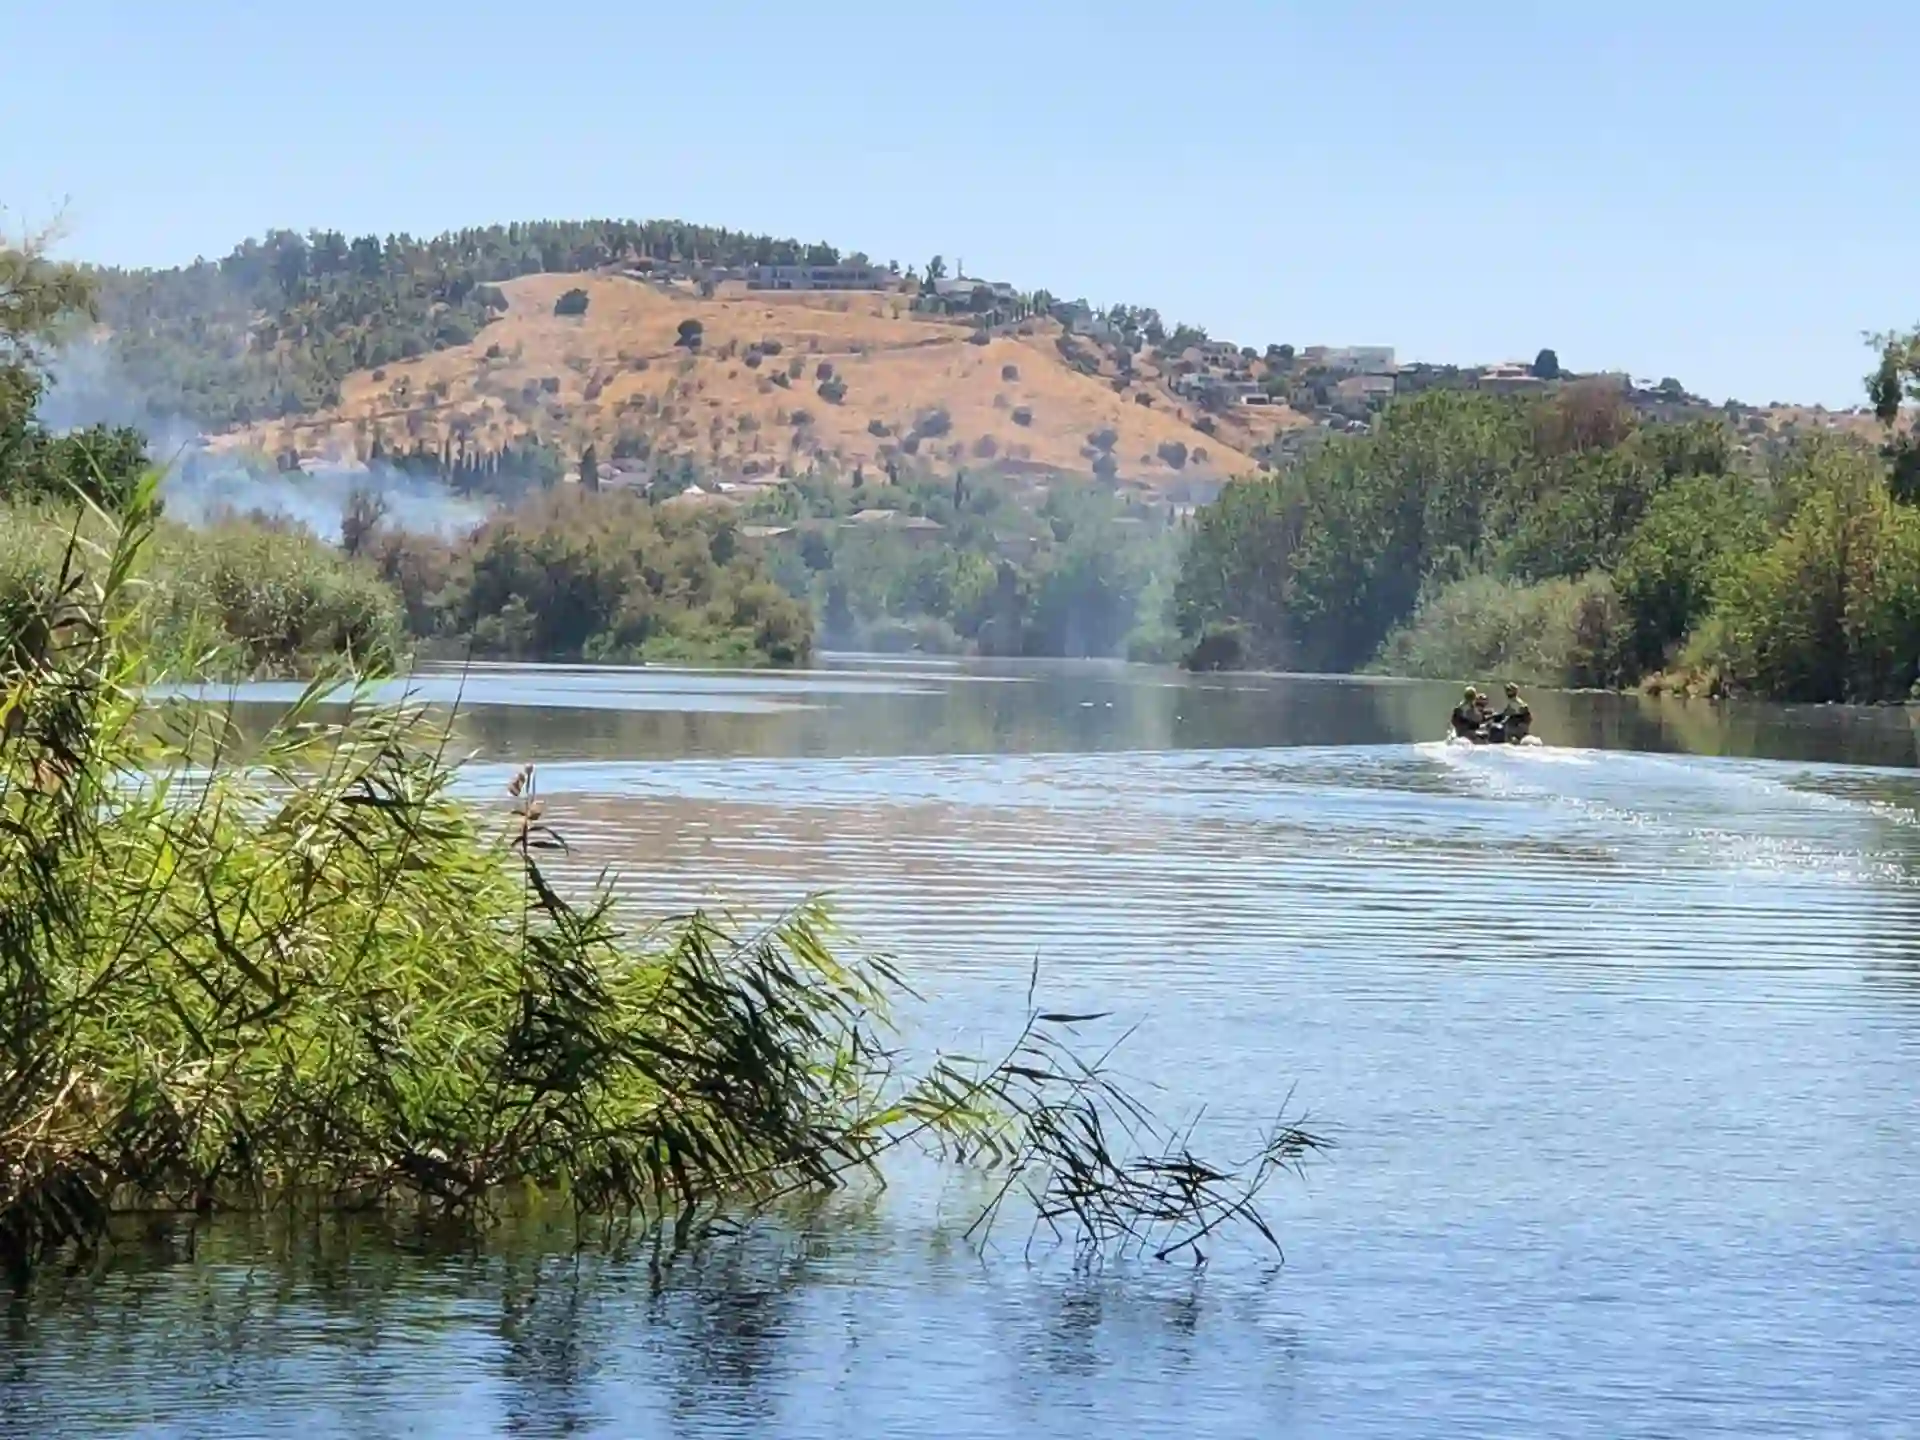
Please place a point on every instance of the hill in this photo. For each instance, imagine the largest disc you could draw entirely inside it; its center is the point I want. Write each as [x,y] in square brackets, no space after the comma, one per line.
[317,345]
[457,353]
[778,383]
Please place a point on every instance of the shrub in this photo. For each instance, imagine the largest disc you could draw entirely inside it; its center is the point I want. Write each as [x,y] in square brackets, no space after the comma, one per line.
[879,428]
[690,335]
[1022,415]
[1558,632]
[985,448]
[572,302]
[832,390]
[1220,647]
[823,371]
[1010,373]
[1174,452]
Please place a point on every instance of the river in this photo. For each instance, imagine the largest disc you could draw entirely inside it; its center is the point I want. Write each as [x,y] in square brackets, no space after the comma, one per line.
[1619,1041]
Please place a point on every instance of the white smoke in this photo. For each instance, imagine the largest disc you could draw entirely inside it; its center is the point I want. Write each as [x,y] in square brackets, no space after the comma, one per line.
[201,486]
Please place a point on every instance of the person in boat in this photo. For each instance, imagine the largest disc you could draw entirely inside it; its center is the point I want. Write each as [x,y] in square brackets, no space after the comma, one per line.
[1467,715]
[1516,720]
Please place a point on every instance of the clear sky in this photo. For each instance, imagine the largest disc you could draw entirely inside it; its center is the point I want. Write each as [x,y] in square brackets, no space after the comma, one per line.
[1723,192]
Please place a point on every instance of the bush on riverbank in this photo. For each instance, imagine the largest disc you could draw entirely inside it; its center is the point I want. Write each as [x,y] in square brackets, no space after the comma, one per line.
[236,600]
[1558,632]
[602,577]
[316,978]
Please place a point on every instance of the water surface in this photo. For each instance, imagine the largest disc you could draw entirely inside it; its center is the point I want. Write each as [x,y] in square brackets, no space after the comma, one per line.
[1620,1041]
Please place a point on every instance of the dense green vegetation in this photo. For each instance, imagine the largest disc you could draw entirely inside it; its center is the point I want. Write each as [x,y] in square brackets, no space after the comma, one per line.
[595,576]
[1079,573]
[237,599]
[273,327]
[1565,541]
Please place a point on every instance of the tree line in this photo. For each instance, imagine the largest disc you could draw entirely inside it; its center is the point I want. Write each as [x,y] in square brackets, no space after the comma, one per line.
[1566,540]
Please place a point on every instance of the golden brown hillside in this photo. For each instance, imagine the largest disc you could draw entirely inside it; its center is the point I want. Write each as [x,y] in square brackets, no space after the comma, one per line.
[616,377]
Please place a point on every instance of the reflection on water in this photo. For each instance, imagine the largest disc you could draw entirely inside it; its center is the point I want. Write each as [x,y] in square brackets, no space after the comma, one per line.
[855,706]
[1621,1049]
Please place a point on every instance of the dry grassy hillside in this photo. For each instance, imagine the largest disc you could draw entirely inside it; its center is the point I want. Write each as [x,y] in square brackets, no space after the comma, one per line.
[617,378]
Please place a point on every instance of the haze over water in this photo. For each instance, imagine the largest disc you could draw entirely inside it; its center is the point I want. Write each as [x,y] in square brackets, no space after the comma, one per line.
[1619,1040]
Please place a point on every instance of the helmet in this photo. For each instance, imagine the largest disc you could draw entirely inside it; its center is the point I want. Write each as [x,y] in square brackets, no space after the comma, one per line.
[1512,689]
[1472,694]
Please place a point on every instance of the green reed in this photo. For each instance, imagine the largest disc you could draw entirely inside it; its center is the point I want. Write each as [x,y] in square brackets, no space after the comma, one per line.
[309,974]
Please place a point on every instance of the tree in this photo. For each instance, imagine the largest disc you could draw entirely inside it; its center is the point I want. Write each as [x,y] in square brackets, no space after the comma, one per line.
[361,519]
[572,302]
[1893,385]
[936,269]
[691,334]
[1546,365]
[37,300]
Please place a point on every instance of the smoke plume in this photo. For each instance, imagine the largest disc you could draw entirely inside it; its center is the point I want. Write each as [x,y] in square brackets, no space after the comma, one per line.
[89,387]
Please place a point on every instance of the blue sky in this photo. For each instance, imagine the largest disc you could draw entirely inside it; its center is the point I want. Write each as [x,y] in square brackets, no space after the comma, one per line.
[1720,192]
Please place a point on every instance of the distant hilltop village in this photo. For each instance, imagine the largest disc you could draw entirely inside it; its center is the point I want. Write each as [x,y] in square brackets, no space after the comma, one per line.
[1322,389]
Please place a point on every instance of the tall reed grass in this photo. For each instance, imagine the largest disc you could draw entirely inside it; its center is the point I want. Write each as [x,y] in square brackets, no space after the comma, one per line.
[236,599]
[307,975]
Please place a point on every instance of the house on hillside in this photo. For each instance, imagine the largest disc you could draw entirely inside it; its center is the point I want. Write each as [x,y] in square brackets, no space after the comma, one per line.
[1509,378]
[1077,317]
[1368,389]
[1216,391]
[818,277]
[917,528]
[962,295]
[1349,359]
